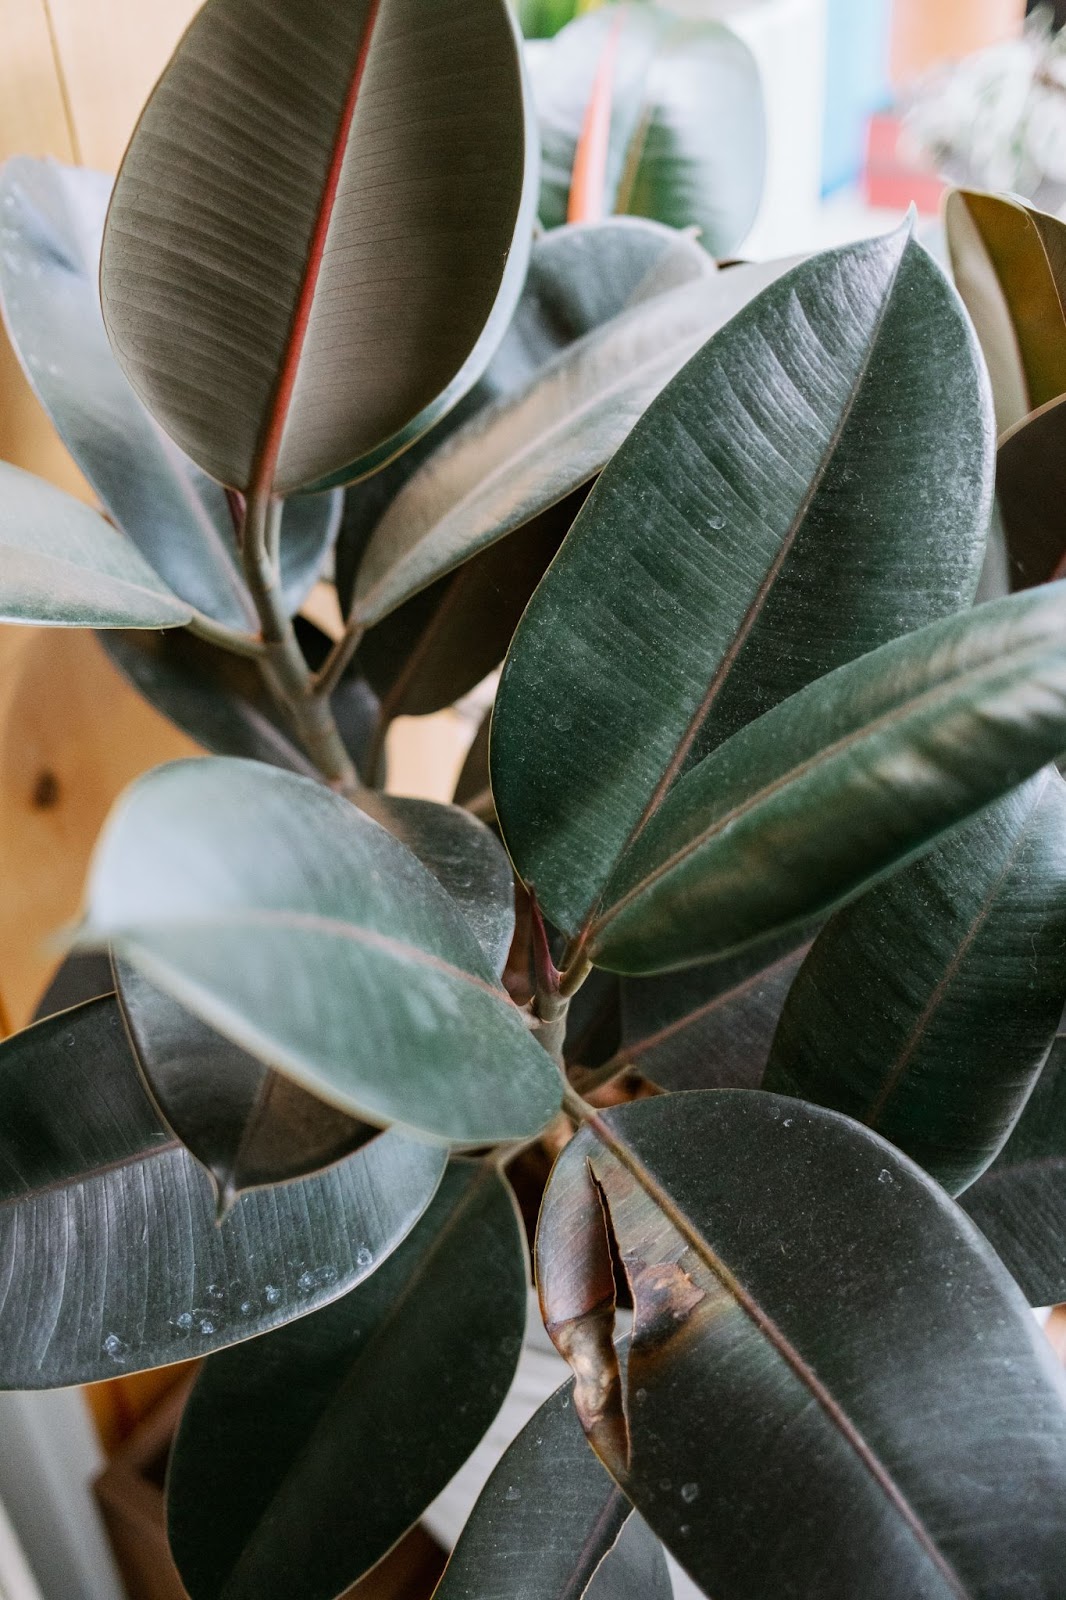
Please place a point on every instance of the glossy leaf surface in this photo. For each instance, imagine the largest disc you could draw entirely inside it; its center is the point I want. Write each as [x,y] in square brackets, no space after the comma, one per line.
[335,193]
[247,1125]
[1009,262]
[527,451]
[63,566]
[550,1524]
[763,523]
[307,934]
[303,1457]
[869,1407]
[841,784]
[1030,491]
[111,1259]
[51,224]
[685,136]
[710,1027]
[926,1009]
[1020,1202]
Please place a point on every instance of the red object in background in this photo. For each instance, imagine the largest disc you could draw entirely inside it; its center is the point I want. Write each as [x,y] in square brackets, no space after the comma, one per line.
[891,180]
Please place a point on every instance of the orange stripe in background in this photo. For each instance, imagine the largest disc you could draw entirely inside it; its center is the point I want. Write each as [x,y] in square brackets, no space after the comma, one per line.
[588,182]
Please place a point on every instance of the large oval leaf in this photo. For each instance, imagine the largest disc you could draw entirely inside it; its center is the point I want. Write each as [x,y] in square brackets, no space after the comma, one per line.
[530,449]
[868,1405]
[248,1126]
[51,225]
[768,519]
[711,1026]
[684,123]
[1009,261]
[578,279]
[1030,485]
[111,1259]
[303,1457]
[841,784]
[926,1009]
[334,192]
[307,934]
[551,1524]
[1020,1202]
[63,566]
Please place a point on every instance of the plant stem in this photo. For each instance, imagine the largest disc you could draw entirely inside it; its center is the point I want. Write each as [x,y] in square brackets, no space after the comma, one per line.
[577,1108]
[290,678]
[232,639]
[333,668]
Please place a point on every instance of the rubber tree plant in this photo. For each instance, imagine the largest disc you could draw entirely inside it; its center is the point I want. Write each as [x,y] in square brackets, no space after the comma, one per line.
[754,911]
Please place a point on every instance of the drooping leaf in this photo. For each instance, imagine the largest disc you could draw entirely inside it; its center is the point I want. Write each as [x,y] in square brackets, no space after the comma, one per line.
[248,1126]
[837,787]
[344,203]
[1020,1202]
[686,139]
[710,1027]
[594,1021]
[51,225]
[867,1406]
[472,784]
[221,700]
[550,1524]
[766,521]
[303,1457]
[926,1009]
[530,449]
[1030,490]
[63,566]
[111,1259]
[465,858]
[1009,262]
[307,934]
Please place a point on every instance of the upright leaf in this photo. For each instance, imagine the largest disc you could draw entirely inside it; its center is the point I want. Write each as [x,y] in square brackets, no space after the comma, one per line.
[248,1126]
[63,566]
[303,1457]
[926,1009]
[1009,262]
[1030,490]
[307,934]
[1020,1202]
[550,1524]
[766,521]
[527,451]
[840,785]
[335,191]
[111,1259]
[686,136]
[51,225]
[832,1386]
[711,1026]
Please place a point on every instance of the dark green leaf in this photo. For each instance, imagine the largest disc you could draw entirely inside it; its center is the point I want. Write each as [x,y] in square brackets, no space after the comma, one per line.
[303,1457]
[926,1009]
[1020,1202]
[111,1259]
[63,566]
[464,857]
[551,1525]
[1031,492]
[51,224]
[710,1027]
[307,934]
[521,455]
[594,1021]
[766,521]
[1009,261]
[686,140]
[472,784]
[248,1126]
[579,279]
[833,1388]
[335,191]
[842,784]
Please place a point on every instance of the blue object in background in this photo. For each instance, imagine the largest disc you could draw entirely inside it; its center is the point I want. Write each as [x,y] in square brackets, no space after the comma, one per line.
[856,84]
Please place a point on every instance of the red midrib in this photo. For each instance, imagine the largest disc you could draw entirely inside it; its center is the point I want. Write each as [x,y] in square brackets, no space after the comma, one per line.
[270,445]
